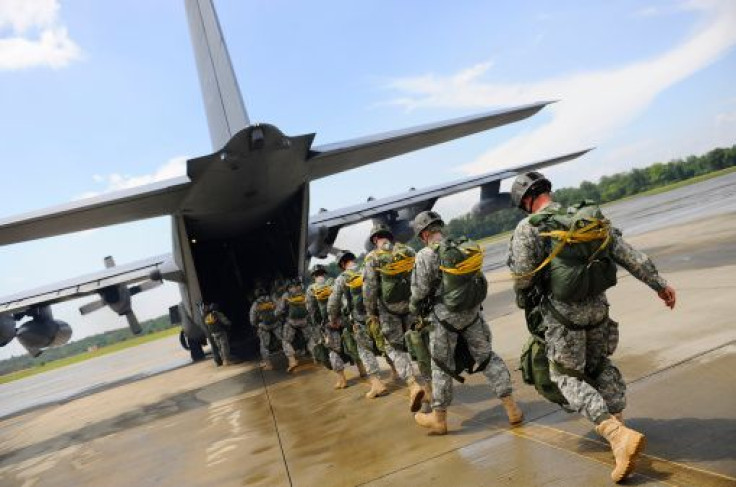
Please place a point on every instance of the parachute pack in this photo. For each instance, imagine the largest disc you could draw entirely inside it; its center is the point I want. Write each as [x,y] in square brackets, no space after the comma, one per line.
[463,285]
[395,266]
[297,306]
[580,264]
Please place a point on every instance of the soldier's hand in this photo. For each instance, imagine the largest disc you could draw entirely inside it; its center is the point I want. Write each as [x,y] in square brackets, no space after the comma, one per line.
[668,296]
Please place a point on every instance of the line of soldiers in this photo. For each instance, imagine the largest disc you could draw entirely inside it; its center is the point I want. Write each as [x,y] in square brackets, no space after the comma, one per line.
[426,307]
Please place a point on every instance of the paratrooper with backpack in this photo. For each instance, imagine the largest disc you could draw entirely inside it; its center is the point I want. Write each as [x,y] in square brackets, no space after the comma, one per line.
[263,318]
[563,260]
[346,306]
[448,287]
[293,309]
[386,293]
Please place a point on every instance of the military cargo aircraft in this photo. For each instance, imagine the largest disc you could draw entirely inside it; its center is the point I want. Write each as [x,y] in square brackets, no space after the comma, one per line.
[249,196]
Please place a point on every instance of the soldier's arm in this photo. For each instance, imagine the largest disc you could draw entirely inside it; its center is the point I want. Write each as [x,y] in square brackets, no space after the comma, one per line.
[224,320]
[253,313]
[334,303]
[312,305]
[370,287]
[636,262]
[281,305]
[425,275]
[526,252]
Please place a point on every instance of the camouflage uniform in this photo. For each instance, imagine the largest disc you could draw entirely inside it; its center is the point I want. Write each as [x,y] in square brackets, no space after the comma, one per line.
[219,324]
[266,323]
[333,338]
[424,283]
[355,314]
[395,318]
[589,348]
[291,325]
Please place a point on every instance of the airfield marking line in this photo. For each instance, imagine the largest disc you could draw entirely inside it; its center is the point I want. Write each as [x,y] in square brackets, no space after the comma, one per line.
[276,426]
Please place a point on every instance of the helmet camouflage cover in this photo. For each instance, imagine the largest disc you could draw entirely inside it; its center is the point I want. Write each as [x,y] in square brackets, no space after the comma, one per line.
[425,219]
[317,269]
[343,256]
[381,229]
[525,183]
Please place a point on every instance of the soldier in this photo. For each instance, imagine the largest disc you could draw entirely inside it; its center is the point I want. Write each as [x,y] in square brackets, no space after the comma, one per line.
[569,295]
[218,325]
[348,288]
[263,317]
[317,295]
[449,285]
[386,292]
[293,308]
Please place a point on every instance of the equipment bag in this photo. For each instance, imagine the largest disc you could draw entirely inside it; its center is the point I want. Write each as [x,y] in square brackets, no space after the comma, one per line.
[417,342]
[464,361]
[395,267]
[321,354]
[463,286]
[374,331]
[349,345]
[297,307]
[354,281]
[535,370]
[580,262]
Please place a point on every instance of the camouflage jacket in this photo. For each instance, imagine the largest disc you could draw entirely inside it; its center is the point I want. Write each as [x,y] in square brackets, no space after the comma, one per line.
[282,307]
[527,249]
[317,311]
[259,316]
[217,322]
[372,285]
[425,284]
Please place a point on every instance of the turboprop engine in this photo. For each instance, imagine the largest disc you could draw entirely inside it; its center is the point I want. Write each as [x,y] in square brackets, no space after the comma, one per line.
[320,241]
[42,331]
[117,298]
[7,329]
[491,199]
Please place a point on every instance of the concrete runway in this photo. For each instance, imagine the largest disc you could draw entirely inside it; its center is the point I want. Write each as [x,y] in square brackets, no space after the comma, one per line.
[197,425]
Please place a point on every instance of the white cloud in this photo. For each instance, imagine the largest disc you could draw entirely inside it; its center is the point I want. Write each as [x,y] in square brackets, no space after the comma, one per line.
[37,36]
[175,167]
[594,104]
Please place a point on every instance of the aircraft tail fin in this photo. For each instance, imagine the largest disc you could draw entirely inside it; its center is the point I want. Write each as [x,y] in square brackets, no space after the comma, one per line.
[226,114]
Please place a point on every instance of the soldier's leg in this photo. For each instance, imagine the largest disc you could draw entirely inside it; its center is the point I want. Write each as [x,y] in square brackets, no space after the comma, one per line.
[479,339]
[287,338]
[391,328]
[334,345]
[609,382]
[442,347]
[567,348]
[365,349]
[265,338]
[224,345]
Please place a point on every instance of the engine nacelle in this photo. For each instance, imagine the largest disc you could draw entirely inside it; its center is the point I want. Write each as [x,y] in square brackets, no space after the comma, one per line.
[42,331]
[7,329]
[117,298]
[320,241]
[486,206]
[402,230]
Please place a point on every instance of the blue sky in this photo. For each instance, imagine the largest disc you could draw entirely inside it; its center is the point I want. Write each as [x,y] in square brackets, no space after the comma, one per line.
[98,96]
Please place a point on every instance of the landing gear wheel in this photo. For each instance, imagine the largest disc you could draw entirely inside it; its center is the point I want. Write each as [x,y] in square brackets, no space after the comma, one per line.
[194,347]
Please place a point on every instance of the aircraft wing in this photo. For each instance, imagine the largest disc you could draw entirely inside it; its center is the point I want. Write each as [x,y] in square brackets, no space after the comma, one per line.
[334,158]
[364,211]
[156,199]
[153,268]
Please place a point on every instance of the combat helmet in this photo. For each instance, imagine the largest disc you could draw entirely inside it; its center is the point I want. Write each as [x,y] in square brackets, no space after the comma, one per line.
[342,256]
[381,229]
[317,269]
[425,219]
[531,183]
[260,291]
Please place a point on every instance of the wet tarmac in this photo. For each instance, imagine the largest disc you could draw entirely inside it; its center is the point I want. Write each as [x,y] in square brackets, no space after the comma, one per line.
[199,425]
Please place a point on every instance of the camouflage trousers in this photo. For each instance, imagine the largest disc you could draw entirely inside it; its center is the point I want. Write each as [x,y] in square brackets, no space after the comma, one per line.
[265,333]
[589,349]
[222,343]
[365,348]
[289,332]
[442,345]
[333,342]
[393,327]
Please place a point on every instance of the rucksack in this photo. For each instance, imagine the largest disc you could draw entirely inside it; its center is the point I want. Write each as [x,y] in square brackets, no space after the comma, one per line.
[266,312]
[297,306]
[354,282]
[463,285]
[322,294]
[395,266]
[580,262]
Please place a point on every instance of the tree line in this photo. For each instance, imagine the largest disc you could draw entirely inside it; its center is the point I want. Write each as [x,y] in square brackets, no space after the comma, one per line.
[607,189]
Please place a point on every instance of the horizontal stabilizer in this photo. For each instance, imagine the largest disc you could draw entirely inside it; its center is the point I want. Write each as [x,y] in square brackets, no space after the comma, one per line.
[151,200]
[334,158]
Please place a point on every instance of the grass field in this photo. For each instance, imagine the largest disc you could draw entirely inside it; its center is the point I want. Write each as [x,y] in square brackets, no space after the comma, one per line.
[88,355]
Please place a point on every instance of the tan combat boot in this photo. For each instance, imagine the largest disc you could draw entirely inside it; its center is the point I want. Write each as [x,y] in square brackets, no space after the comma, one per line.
[515,415]
[416,393]
[626,444]
[394,373]
[436,421]
[342,382]
[292,364]
[619,417]
[266,365]
[378,388]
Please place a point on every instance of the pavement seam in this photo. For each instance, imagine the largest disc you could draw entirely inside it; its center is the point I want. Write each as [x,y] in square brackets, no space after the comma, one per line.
[276,427]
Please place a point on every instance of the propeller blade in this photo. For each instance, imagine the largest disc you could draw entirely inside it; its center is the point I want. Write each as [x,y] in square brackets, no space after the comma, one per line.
[144,286]
[133,324]
[90,307]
